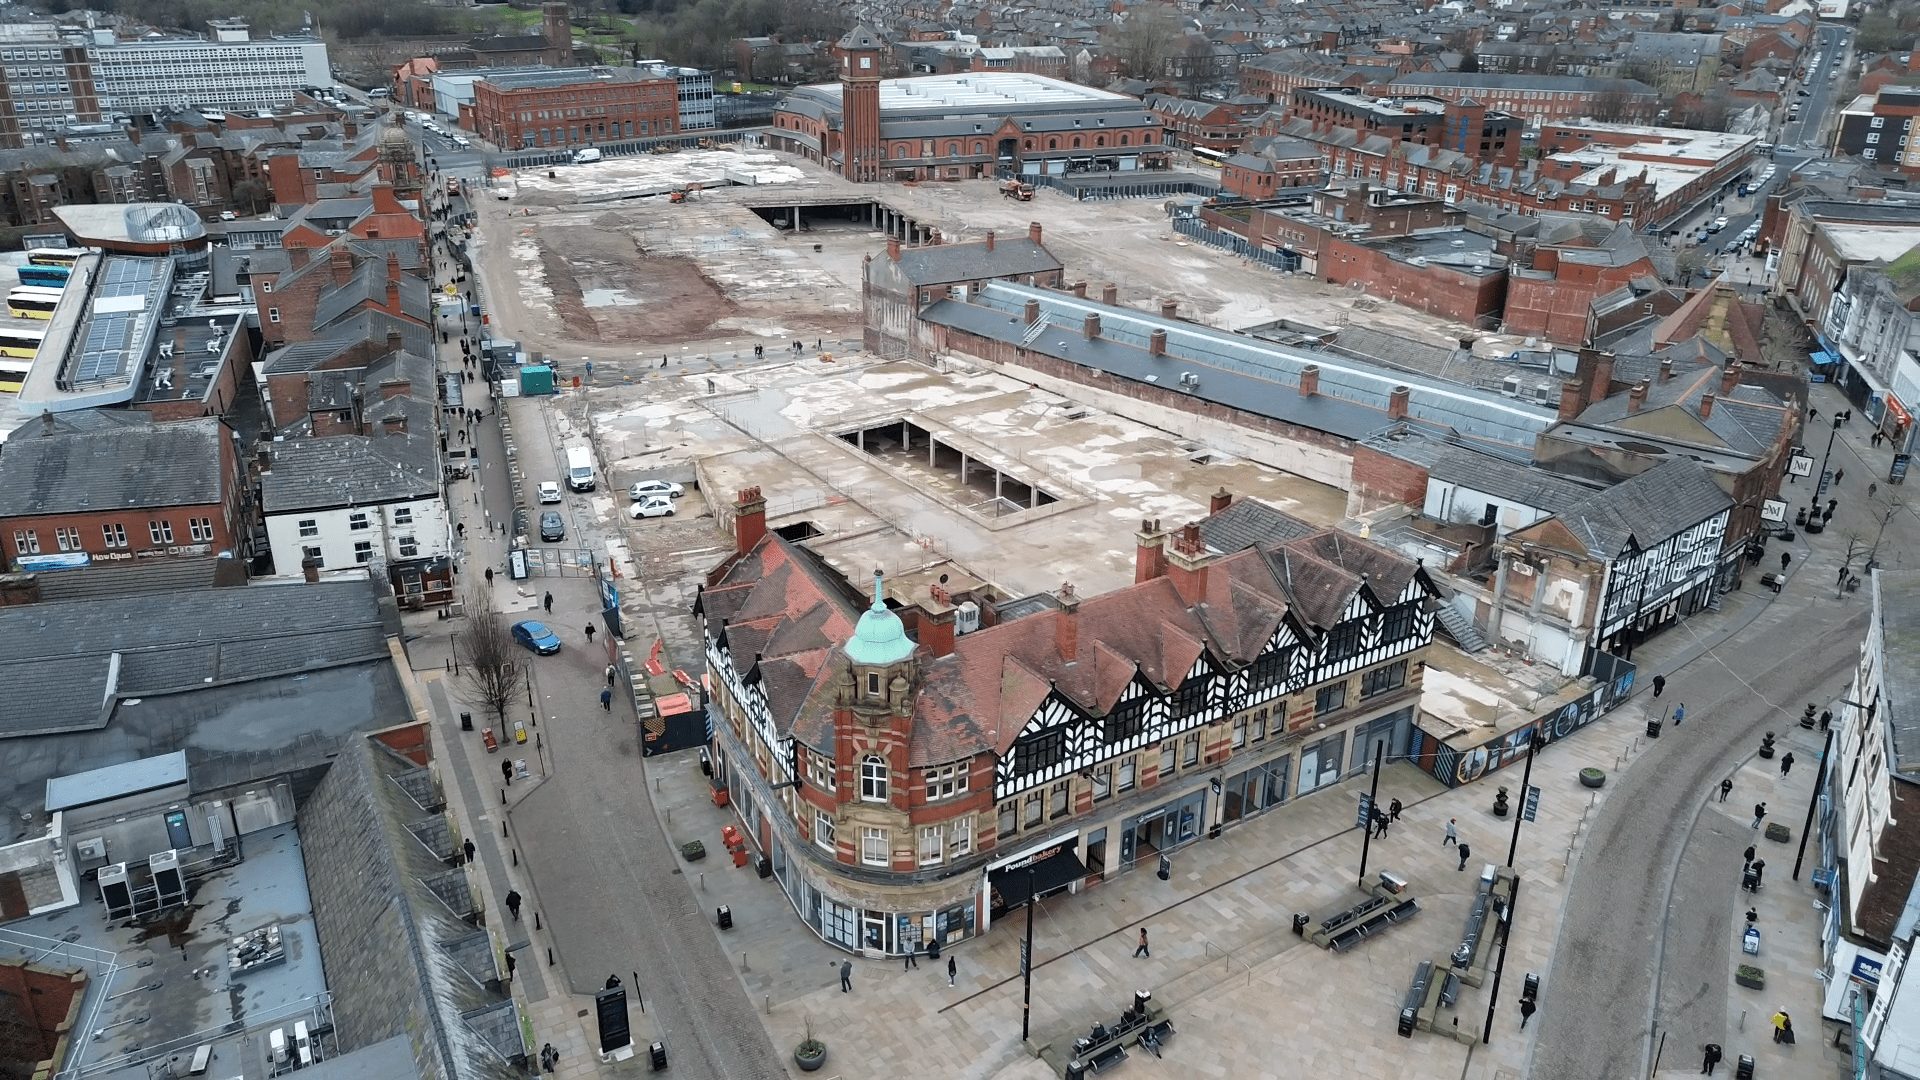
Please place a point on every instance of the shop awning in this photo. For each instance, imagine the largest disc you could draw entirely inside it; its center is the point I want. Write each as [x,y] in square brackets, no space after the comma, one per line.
[1822,358]
[1054,868]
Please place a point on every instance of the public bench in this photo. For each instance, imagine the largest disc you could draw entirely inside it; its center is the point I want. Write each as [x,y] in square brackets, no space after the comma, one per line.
[1106,1059]
[1772,581]
[1155,1036]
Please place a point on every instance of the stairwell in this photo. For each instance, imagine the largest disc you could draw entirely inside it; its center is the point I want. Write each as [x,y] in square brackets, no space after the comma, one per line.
[1460,629]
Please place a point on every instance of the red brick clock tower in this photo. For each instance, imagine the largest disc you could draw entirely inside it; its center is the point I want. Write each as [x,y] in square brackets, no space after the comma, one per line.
[860,104]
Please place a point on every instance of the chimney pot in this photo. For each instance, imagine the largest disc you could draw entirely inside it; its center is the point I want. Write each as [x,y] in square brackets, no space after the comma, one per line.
[1310,380]
[1110,294]
[1397,402]
[989,239]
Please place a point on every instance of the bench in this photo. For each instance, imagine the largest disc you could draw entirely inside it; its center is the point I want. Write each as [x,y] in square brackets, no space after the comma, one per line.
[1771,581]
[1155,1036]
[1107,1059]
[1366,926]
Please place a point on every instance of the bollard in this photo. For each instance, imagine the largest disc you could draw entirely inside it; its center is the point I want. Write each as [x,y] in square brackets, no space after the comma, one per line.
[766,1004]
[503,800]
[503,825]
[743,963]
[549,956]
[516,856]
[703,881]
[536,920]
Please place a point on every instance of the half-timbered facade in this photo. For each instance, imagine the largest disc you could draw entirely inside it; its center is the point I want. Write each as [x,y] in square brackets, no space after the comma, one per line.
[1622,564]
[906,790]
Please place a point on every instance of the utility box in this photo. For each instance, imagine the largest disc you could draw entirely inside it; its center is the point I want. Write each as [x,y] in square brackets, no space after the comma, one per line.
[536,379]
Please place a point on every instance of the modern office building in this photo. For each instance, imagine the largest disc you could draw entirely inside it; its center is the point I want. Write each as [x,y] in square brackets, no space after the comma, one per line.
[140,77]
[45,85]
[696,93]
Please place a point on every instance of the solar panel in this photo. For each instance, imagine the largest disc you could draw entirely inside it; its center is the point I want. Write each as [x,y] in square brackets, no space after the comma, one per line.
[123,309]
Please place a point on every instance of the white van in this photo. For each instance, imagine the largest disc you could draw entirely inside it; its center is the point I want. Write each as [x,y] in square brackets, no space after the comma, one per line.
[588,156]
[579,468]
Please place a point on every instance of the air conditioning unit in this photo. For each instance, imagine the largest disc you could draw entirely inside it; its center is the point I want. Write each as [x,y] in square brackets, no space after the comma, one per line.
[1542,392]
[966,618]
[1510,386]
[168,881]
[277,1046]
[115,893]
[92,849]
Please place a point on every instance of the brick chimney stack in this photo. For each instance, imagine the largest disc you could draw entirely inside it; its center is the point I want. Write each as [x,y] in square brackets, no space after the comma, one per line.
[1188,563]
[989,240]
[1149,551]
[1637,396]
[1033,231]
[1310,380]
[341,265]
[1157,343]
[1090,326]
[1730,378]
[1706,406]
[1066,627]
[1220,501]
[1032,313]
[310,570]
[395,342]
[1110,294]
[1666,369]
[1169,309]
[1397,402]
[1570,403]
[1080,289]
[749,519]
[936,629]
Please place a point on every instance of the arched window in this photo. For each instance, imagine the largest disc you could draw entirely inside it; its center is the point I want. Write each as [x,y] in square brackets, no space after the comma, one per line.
[873,779]
[1126,139]
[979,147]
[952,148]
[1076,142]
[1053,144]
[1099,140]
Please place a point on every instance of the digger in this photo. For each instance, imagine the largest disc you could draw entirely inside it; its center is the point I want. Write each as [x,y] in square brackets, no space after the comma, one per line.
[1017,190]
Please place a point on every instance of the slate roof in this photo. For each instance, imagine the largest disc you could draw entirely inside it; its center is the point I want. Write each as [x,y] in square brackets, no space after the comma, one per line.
[1667,499]
[397,953]
[125,578]
[1508,480]
[175,464]
[1747,422]
[1248,522]
[349,470]
[72,658]
[940,263]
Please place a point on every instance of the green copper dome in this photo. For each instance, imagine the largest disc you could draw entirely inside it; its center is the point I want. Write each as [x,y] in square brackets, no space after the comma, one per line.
[880,638]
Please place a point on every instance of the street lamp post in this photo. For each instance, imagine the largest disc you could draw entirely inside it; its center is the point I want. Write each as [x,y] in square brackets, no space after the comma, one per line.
[1820,488]
[1026,965]
[1373,807]
[1535,743]
[1819,783]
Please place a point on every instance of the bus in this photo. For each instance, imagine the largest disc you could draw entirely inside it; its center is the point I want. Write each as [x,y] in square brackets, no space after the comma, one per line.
[32,302]
[55,256]
[12,374]
[50,277]
[1212,159]
[21,344]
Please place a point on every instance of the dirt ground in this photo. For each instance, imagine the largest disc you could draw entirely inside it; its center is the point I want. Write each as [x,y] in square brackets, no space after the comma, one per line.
[575,266]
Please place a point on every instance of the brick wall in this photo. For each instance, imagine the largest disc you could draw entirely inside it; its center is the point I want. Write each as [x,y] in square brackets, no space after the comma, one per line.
[1380,479]
[1437,290]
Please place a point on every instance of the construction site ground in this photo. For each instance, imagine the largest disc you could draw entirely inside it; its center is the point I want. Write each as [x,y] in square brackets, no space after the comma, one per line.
[596,261]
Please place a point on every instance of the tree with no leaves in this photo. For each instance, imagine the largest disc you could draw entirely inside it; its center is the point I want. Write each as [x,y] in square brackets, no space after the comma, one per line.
[489,660]
[1145,40]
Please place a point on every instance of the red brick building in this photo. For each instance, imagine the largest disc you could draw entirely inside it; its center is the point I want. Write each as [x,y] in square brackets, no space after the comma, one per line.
[1539,98]
[1554,297]
[331,285]
[156,491]
[1273,168]
[1211,124]
[1465,125]
[574,107]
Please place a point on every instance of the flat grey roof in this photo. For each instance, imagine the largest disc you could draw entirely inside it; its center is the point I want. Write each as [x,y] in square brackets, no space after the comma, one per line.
[115,781]
[1897,598]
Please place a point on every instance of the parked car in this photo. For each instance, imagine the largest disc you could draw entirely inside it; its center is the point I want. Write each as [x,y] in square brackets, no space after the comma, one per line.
[1718,224]
[647,489]
[551,527]
[651,506]
[1702,236]
[535,635]
[549,491]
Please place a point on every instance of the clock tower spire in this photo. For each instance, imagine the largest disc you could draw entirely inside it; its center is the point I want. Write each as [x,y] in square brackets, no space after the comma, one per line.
[860,103]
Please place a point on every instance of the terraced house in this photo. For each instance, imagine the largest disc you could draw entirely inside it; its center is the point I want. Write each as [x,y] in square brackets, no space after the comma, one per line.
[907,787]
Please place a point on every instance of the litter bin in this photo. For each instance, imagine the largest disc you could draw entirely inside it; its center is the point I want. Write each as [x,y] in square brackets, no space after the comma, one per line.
[723,916]
[1300,921]
[1076,1069]
[466,721]
[1653,729]
[657,1056]
[1743,1070]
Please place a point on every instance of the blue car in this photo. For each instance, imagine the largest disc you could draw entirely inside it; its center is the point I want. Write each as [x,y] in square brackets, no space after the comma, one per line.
[535,635]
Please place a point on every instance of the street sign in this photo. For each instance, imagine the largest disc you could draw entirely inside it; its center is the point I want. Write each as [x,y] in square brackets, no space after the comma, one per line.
[1532,806]
[1800,465]
[1364,815]
[1774,510]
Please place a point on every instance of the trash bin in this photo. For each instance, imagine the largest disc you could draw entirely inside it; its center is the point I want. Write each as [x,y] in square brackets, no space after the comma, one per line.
[1743,1070]
[657,1056]
[1653,729]
[1300,921]
[1076,1069]
[1166,868]
[723,916]
[466,721]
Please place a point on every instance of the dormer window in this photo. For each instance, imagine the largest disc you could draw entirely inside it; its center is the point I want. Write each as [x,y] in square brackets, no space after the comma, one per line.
[873,684]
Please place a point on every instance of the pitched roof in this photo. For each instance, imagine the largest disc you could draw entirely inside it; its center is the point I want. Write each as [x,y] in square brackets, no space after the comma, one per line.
[1644,510]
[349,470]
[937,263]
[176,464]
[1508,480]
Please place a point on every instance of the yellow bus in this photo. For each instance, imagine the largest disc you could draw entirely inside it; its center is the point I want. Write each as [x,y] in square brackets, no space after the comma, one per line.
[20,344]
[12,374]
[55,256]
[32,302]
[1212,159]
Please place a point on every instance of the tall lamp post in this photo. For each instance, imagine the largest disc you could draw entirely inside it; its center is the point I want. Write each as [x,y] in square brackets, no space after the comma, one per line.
[1820,488]
[1026,965]
[1820,783]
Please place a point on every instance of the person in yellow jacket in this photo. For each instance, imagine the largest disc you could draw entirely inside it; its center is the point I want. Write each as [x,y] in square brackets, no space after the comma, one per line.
[1782,1023]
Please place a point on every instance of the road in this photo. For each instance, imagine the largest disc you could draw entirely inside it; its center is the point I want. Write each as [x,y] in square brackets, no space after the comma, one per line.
[1648,902]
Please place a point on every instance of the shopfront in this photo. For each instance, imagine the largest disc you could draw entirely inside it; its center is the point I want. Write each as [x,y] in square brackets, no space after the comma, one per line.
[1157,831]
[1389,735]
[1258,789]
[1320,762]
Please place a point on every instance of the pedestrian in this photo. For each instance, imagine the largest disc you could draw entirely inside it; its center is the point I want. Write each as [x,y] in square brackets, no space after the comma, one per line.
[846,976]
[461,529]
[468,848]
[1711,1059]
[907,959]
[606,699]
[1872,490]
[1753,916]
[1842,580]
[1141,949]
[1659,685]
[1786,560]
[1452,835]
[953,971]
[1747,855]
[1726,788]
[506,772]
[1826,718]
[1527,1007]
[1786,1031]
[1465,854]
[589,633]
[547,602]
[1838,475]
[1780,1022]
[1786,764]
[1679,713]
[1393,810]
[513,903]
[489,576]
[1759,813]
[1759,869]
[610,674]
[1379,824]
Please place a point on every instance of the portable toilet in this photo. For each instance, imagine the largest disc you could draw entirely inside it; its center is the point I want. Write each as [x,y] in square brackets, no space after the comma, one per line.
[536,379]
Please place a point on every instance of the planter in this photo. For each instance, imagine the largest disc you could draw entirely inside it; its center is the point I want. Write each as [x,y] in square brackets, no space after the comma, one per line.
[1779,833]
[1751,977]
[1500,803]
[1593,778]
[810,1055]
[1766,745]
[693,851]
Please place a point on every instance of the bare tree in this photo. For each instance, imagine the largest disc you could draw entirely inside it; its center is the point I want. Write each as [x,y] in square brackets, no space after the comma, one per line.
[489,660]
[1146,40]
[1610,106]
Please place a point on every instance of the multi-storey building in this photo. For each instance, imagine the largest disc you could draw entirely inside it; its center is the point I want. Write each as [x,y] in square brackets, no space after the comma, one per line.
[44,87]
[1465,125]
[1878,127]
[1540,98]
[574,107]
[149,76]
[952,127]
[908,791]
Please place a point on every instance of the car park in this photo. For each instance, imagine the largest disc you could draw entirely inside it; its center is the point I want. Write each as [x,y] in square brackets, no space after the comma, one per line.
[647,489]
[535,635]
[551,527]
[549,491]
[651,506]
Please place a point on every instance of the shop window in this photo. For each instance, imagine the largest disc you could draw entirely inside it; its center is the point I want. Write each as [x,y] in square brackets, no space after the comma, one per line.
[1329,699]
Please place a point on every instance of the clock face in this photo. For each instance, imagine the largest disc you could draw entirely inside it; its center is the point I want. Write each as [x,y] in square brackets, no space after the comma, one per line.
[866,61]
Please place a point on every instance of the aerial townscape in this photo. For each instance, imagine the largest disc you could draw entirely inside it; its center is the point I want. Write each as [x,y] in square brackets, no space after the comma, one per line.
[1360,539]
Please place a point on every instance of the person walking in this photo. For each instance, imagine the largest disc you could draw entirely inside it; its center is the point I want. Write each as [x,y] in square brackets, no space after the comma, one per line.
[589,633]
[1759,869]
[1141,949]
[489,577]
[846,976]
[1780,1022]
[1679,713]
[1527,1006]
[1393,810]
[1786,1030]
[1465,854]
[1452,835]
[506,772]
[908,959]
[610,674]
[1379,824]
[513,903]
[468,848]
[606,699]
[953,971]
[1747,856]
[1659,685]
[1839,475]
[1786,763]
[1786,560]
[1759,813]
[1726,788]
[547,603]
[1710,1059]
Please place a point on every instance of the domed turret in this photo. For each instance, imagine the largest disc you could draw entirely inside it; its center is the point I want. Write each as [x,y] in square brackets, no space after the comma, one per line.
[880,638]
